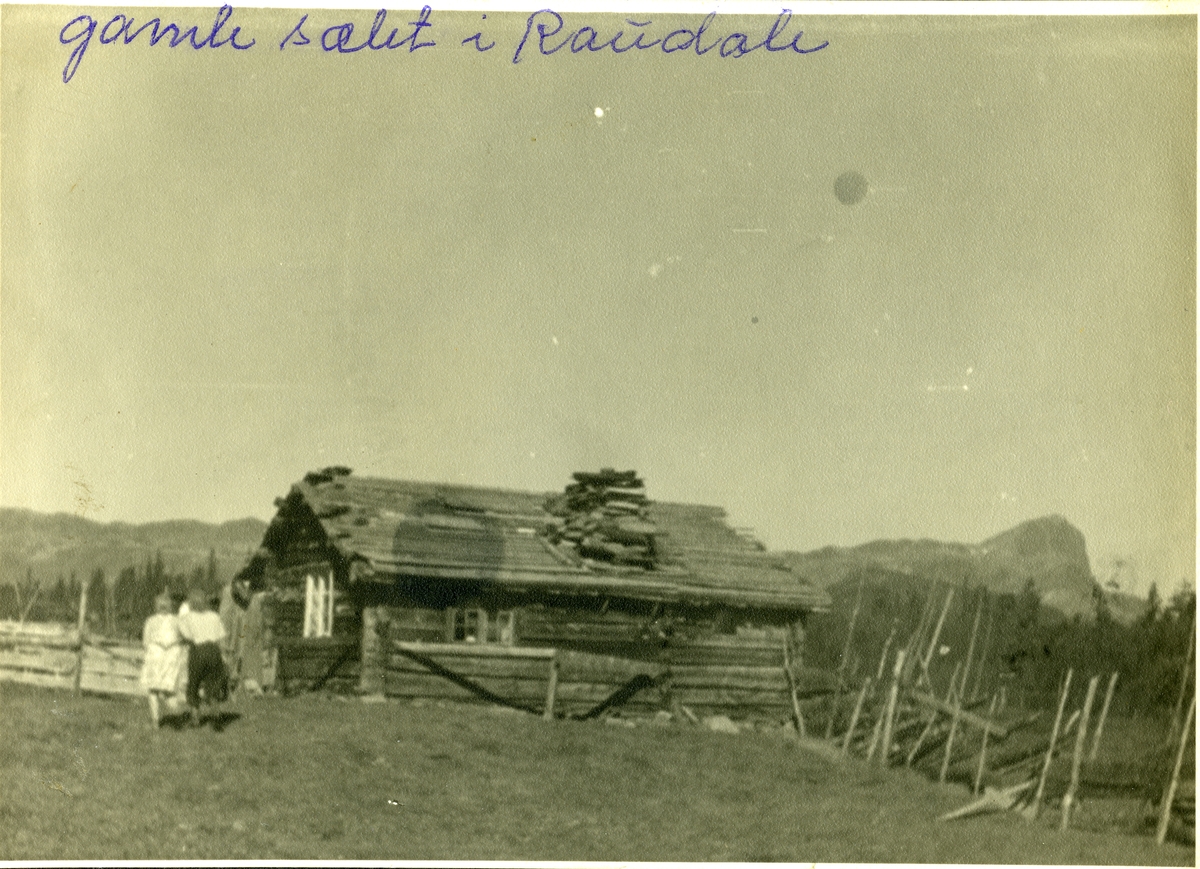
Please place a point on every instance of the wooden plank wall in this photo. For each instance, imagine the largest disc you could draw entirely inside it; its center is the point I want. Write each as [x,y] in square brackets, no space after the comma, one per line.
[303,664]
[612,633]
[740,676]
[518,675]
[327,663]
[48,654]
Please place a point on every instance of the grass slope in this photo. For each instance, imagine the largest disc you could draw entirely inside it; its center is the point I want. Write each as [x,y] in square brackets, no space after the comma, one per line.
[310,777]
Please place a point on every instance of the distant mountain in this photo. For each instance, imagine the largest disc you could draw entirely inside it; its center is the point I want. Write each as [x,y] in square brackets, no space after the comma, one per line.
[1050,551]
[53,545]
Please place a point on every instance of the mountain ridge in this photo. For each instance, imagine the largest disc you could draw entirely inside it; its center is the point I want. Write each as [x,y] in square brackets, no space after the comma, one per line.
[52,545]
[1048,550]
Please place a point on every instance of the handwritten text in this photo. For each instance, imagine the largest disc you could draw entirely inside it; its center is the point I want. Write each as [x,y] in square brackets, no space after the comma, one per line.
[546,33]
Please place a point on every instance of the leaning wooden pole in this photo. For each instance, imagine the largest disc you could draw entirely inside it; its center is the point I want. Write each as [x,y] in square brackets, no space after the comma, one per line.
[887,647]
[982,766]
[83,604]
[932,718]
[960,694]
[983,655]
[937,633]
[1108,696]
[841,677]
[918,636]
[890,715]
[876,734]
[1077,756]
[1164,819]
[858,707]
[949,750]
[1036,806]
[966,675]
[1184,681]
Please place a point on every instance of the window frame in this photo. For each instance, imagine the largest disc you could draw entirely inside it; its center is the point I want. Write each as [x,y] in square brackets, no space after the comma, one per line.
[318,605]
[481,625]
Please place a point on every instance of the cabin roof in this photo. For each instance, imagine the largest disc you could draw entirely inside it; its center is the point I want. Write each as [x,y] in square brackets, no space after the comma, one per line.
[399,528]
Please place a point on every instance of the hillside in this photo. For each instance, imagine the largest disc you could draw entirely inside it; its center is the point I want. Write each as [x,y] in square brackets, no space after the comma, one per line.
[50,546]
[303,778]
[1050,551]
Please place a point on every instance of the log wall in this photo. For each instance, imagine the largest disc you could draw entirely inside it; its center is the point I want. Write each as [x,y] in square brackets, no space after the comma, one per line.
[612,633]
[292,663]
[405,655]
[514,676]
[325,663]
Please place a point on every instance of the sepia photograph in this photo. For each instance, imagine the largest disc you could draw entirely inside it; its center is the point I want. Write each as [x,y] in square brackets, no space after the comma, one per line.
[599,433]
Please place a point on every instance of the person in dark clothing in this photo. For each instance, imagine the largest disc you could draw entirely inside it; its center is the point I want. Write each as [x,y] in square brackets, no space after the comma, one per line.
[208,680]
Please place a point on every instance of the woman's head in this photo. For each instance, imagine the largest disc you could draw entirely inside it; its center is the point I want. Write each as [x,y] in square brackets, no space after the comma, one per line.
[163,604]
[197,601]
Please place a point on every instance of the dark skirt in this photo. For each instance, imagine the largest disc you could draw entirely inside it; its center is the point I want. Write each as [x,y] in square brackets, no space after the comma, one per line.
[206,672]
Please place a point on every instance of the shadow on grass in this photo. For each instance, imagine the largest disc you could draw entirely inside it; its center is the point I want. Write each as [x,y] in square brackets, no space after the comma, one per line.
[217,721]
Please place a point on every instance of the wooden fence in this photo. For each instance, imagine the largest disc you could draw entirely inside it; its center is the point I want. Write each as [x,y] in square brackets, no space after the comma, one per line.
[51,655]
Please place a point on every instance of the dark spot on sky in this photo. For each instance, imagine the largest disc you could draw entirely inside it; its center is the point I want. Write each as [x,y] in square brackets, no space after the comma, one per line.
[850,188]
[754,319]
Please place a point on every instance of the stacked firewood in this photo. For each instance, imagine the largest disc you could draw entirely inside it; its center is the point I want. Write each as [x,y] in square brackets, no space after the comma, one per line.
[606,518]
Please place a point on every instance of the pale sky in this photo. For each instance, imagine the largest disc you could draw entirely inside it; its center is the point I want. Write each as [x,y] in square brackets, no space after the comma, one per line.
[221,269]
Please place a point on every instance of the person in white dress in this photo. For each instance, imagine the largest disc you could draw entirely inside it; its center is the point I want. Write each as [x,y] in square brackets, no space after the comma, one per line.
[164,668]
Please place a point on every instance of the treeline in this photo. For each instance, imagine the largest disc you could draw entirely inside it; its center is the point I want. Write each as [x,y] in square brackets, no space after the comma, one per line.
[116,606]
[1021,646]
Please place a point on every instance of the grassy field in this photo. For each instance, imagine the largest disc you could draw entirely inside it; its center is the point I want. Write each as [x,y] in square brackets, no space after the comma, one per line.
[319,778]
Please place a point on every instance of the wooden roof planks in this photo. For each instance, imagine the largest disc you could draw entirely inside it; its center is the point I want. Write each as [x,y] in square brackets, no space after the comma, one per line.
[600,536]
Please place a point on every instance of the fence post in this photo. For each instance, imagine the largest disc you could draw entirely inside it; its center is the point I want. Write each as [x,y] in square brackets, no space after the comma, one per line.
[551,688]
[1108,696]
[960,696]
[890,715]
[374,653]
[937,634]
[1036,807]
[83,601]
[791,681]
[858,707]
[1185,681]
[1164,820]
[837,694]
[912,753]
[979,770]
[1077,757]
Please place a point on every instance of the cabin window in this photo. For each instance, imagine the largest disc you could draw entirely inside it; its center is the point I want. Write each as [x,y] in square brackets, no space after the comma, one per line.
[472,625]
[318,605]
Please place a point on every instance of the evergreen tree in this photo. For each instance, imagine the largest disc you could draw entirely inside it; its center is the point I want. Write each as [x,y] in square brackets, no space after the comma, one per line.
[210,573]
[61,606]
[95,600]
[1153,604]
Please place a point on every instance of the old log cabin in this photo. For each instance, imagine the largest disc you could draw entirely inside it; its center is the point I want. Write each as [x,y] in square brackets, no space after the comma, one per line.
[568,603]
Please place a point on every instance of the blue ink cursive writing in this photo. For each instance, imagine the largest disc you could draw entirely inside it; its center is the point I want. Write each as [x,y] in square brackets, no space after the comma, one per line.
[546,33]
[342,34]
[549,26]
[476,39]
[338,37]
[121,27]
